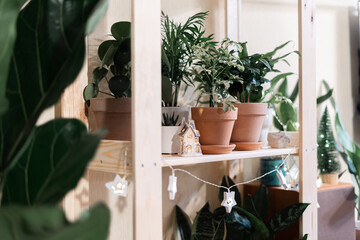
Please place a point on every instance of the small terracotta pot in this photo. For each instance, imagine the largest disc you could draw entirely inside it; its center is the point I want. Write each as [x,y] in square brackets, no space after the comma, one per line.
[250,119]
[331,178]
[215,126]
[114,115]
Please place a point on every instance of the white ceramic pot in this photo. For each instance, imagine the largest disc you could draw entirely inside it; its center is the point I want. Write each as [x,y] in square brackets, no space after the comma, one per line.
[170,141]
[283,139]
[268,122]
[182,112]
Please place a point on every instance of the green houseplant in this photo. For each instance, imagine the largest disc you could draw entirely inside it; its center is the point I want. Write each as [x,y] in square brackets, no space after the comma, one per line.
[248,222]
[211,71]
[249,90]
[40,164]
[114,111]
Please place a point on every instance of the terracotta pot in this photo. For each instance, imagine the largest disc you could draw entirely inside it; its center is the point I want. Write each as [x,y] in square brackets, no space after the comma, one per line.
[215,126]
[250,119]
[114,115]
[331,178]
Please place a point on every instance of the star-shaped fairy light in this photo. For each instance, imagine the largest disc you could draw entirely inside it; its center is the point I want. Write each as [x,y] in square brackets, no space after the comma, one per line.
[118,187]
[229,201]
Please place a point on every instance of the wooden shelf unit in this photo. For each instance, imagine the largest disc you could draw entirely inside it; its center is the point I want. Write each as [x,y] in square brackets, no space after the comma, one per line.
[147,161]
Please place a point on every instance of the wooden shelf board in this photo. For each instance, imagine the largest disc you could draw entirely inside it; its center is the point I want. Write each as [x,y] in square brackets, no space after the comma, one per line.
[111,155]
[175,160]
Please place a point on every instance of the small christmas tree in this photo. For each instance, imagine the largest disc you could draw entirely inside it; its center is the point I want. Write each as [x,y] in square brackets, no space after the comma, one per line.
[327,162]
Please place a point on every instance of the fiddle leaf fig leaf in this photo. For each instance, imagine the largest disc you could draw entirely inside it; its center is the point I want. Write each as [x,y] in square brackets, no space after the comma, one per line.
[50,223]
[121,30]
[55,49]
[50,164]
[8,14]
[182,224]
[286,217]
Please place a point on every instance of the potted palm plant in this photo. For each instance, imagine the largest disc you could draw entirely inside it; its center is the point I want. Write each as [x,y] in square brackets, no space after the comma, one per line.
[114,111]
[249,91]
[177,48]
[211,71]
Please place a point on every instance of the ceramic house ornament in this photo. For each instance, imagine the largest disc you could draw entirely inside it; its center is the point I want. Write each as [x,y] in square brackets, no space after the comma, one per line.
[189,140]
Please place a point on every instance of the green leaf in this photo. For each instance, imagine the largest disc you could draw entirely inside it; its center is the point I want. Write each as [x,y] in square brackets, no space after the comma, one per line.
[305,237]
[283,89]
[118,85]
[286,217]
[260,229]
[109,56]
[235,189]
[104,47]
[8,15]
[181,224]
[295,92]
[324,97]
[167,91]
[51,164]
[90,91]
[121,30]
[97,15]
[50,223]
[221,232]
[98,74]
[262,202]
[203,227]
[48,55]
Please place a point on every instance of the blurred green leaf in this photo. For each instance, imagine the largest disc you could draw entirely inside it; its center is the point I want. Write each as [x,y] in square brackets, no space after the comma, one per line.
[220,233]
[295,92]
[97,15]
[324,97]
[104,47]
[259,228]
[262,202]
[181,224]
[90,91]
[51,164]
[108,58]
[283,88]
[50,223]
[98,74]
[48,55]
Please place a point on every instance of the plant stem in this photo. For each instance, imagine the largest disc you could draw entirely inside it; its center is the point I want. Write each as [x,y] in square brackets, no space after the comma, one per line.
[107,93]
[106,79]
[249,94]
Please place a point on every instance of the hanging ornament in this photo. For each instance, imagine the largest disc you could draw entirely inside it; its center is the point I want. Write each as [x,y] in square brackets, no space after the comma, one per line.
[172,188]
[282,180]
[229,201]
[118,187]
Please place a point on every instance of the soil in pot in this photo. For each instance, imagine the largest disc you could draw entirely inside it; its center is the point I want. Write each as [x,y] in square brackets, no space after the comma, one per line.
[114,115]
[215,128]
[248,125]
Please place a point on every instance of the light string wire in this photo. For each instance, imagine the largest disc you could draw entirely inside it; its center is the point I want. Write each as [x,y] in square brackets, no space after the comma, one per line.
[234,185]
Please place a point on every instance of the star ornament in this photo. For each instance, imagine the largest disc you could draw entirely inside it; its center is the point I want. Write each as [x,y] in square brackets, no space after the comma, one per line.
[229,201]
[118,187]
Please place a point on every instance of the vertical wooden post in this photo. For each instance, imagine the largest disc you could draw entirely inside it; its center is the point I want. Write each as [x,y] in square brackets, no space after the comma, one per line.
[146,118]
[308,156]
[233,19]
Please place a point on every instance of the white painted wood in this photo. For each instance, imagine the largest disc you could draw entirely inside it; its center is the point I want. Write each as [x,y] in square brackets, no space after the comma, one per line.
[233,19]
[146,118]
[308,129]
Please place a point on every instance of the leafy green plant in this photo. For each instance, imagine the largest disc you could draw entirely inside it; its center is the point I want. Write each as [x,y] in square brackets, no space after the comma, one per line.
[177,48]
[212,71]
[40,164]
[170,120]
[250,86]
[115,56]
[247,222]
[326,151]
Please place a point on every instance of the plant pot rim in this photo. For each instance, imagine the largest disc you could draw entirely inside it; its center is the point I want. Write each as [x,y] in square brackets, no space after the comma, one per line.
[253,109]
[213,114]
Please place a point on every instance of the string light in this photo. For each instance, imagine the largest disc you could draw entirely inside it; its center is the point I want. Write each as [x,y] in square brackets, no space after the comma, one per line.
[228,199]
